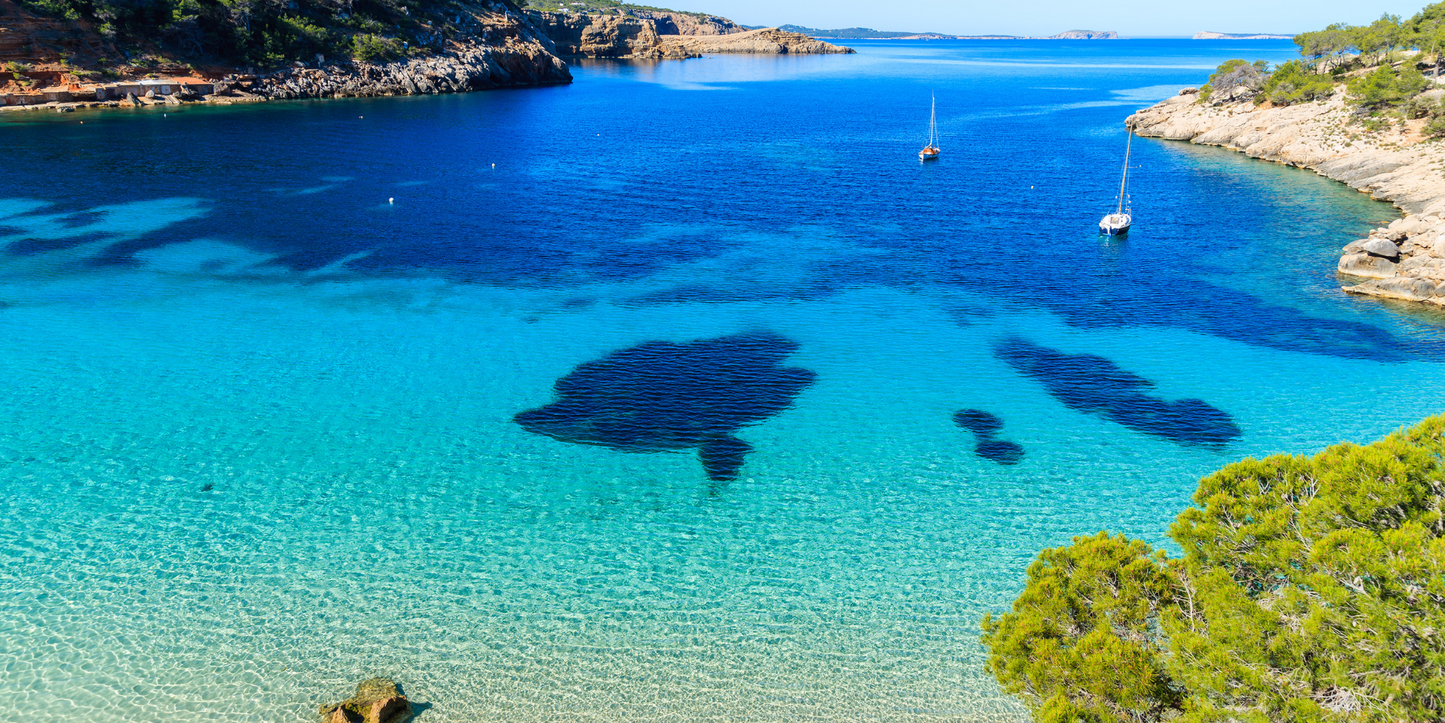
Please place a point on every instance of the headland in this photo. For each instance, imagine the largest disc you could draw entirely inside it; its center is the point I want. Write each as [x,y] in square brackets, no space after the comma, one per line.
[657,35]
[1395,162]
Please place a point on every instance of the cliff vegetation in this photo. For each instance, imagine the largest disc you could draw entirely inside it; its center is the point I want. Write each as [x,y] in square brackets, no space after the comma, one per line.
[268,33]
[1382,66]
[1309,589]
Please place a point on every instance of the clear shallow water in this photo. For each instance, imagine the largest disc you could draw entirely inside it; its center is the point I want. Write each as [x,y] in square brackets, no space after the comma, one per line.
[256,423]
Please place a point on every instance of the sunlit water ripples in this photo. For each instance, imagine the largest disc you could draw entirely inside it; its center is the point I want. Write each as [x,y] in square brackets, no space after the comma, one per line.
[259,427]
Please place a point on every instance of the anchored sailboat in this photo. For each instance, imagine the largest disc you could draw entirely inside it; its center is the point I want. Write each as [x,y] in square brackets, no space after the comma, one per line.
[1117,223]
[930,151]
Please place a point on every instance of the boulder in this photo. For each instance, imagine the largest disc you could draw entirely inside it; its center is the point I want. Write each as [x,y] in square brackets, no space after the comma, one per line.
[1382,248]
[377,700]
[1366,266]
[1355,247]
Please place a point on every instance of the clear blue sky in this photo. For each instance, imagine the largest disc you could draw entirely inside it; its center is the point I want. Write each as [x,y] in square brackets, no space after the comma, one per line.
[1134,18]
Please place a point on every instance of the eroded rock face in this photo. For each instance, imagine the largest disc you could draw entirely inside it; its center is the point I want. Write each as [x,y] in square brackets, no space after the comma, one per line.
[506,50]
[1405,260]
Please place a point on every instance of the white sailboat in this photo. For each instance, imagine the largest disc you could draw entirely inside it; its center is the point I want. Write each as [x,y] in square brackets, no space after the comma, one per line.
[930,152]
[1118,222]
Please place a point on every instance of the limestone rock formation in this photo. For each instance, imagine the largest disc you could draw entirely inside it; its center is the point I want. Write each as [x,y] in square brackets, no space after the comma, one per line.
[659,35]
[1405,260]
[768,41]
[687,24]
[376,701]
[600,36]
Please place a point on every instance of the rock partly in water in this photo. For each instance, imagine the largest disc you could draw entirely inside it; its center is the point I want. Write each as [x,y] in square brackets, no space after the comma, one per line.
[377,700]
[1366,266]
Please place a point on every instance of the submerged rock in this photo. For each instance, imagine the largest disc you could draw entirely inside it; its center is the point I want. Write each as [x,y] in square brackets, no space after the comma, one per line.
[377,700]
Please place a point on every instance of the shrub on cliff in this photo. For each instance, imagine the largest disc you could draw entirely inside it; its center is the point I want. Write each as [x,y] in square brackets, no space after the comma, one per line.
[1310,589]
[1386,86]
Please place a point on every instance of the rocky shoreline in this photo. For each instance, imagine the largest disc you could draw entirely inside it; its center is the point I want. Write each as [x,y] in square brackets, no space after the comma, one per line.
[1403,261]
[504,49]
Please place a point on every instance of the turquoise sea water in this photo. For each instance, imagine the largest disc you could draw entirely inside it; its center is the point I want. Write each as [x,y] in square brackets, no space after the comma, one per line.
[256,422]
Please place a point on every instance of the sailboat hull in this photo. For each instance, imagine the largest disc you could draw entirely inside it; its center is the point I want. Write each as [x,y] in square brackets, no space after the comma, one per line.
[1115,224]
[927,156]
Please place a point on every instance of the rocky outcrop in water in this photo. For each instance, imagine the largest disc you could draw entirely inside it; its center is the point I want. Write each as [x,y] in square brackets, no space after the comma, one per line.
[1393,165]
[658,35]
[376,701]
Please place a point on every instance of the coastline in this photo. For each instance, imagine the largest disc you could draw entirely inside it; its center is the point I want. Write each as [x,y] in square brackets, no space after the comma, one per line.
[501,48]
[1404,261]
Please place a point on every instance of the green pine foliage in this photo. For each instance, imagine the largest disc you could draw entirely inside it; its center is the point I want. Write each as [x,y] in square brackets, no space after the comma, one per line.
[1310,589]
[1386,87]
[266,33]
[1292,83]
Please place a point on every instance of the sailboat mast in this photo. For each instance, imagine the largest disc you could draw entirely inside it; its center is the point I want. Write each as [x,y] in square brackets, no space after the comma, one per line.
[1127,145]
[933,122]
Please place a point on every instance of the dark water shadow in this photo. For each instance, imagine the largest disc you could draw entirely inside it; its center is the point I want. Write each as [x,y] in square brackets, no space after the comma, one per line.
[664,396]
[1095,385]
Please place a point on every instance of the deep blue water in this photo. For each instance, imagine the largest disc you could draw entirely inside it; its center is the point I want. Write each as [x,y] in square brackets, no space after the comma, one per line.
[808,407]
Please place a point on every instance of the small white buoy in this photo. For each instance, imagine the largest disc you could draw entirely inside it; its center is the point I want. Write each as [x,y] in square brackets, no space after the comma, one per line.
[391,200]
[494,165]
[165,115]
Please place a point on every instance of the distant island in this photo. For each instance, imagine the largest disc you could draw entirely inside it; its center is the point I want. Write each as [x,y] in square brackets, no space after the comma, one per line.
[871,34]
[1211,35]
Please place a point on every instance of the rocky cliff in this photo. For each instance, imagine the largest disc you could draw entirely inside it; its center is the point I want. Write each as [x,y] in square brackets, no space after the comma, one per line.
[1405,260]
[510,52]
[667,35]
